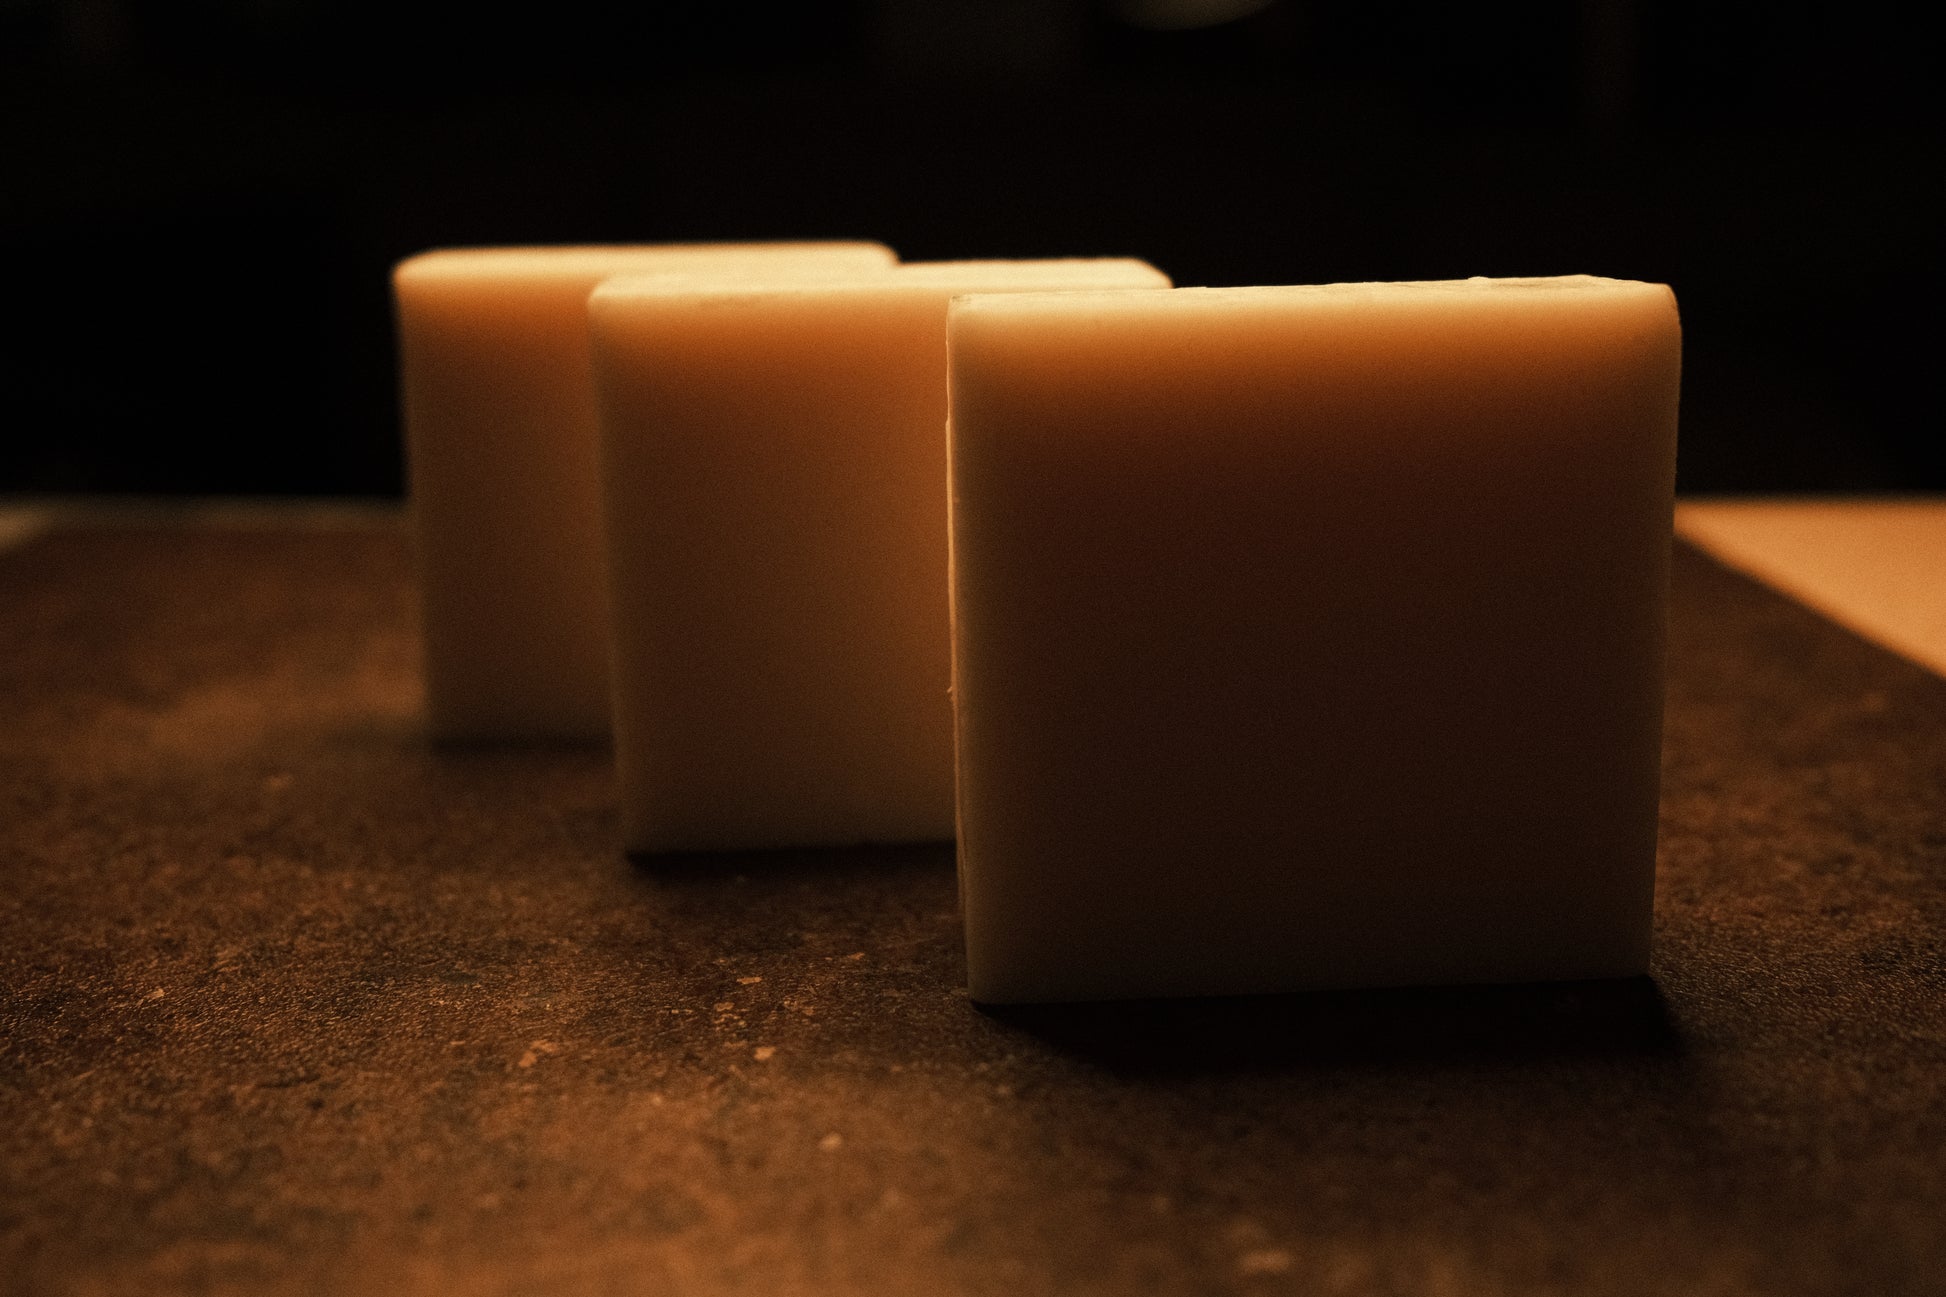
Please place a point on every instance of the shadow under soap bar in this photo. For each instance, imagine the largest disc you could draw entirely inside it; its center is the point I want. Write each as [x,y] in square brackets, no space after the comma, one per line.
[501,464]
[1309,637]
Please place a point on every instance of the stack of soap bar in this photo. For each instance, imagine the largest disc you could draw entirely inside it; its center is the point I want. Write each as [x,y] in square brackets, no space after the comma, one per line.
[1309,637]
[775,467]
[500,436]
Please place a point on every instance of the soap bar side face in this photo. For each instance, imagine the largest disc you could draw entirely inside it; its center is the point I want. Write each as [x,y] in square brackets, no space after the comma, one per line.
[775,468]
[1309,638]
[500,469]
[771,548]
[500,422]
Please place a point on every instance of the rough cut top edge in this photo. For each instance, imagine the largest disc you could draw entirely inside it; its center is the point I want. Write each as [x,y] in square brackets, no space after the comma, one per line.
[1312,296]
[581,261]
[761,283]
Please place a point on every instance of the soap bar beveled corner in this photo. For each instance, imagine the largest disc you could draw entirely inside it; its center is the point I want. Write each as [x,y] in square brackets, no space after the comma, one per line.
[1309,638]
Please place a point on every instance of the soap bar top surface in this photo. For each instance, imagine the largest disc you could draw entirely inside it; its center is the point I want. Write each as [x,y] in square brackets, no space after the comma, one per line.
[1309,637]
[754,284]
[587,263]
[1341,317]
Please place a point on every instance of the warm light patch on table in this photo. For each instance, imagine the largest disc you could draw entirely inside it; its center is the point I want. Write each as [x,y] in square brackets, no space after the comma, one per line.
[1309,637]
[1876,566]
[20,525]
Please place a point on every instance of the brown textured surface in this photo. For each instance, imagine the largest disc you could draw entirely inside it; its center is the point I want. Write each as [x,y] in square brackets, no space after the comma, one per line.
[290,1003]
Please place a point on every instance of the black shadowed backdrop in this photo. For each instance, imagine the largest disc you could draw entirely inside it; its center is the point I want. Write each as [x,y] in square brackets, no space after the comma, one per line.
[204,196]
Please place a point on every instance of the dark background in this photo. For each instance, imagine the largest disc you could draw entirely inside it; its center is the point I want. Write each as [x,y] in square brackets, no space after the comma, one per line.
[203,197]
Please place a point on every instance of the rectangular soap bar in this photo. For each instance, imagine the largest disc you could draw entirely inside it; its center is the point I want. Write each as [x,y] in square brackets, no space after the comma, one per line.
[501,462]
[775,467]
[1309,637]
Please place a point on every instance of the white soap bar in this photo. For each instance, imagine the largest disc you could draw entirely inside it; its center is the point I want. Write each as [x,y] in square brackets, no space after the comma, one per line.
[775,466]
[1309,637]
[501,463]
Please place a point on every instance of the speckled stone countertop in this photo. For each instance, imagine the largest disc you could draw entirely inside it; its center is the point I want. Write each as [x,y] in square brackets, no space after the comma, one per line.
[292,1003]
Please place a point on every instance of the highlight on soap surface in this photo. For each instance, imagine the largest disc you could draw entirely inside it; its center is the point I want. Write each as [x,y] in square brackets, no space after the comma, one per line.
[577,268]
[775,471]
[501,466]
[1309,637]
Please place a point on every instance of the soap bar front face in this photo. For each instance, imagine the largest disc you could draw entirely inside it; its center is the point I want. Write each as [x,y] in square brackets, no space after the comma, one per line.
[775,467]
[1309,637]
[500,441]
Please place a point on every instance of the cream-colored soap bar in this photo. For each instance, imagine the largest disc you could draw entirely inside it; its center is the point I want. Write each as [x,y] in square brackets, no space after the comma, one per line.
[1309,637]
[500,437]
[775,465]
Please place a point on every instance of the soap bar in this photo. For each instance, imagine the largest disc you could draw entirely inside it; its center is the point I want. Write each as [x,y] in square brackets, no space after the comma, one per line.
[1309,637]
[774,459]
[501,464]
